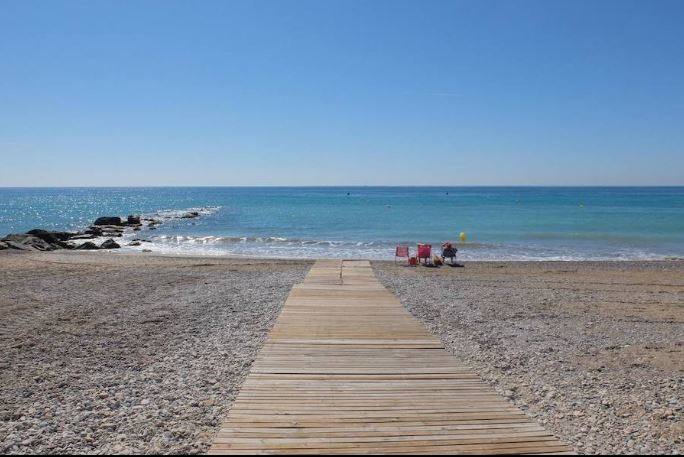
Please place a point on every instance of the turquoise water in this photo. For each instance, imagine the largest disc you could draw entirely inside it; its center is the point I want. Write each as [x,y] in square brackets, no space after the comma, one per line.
[535,223]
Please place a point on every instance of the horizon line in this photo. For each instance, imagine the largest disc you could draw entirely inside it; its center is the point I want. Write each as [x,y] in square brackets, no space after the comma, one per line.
[163,186]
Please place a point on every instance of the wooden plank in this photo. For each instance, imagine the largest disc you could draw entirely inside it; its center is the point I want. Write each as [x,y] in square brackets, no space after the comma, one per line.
[347,370]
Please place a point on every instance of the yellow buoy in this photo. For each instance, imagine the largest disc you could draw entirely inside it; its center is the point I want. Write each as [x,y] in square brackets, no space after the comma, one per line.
[463,237]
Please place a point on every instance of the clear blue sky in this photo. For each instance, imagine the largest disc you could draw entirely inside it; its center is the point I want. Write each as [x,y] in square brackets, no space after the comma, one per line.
[341,92]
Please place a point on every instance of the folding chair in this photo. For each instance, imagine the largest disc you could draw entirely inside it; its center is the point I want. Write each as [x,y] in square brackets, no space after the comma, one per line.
[425,252]
[402,251]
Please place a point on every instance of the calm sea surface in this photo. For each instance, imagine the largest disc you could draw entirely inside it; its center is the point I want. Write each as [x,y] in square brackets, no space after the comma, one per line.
[517,223]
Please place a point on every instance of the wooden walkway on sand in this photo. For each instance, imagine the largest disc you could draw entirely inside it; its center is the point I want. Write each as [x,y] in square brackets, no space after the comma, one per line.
[347,369]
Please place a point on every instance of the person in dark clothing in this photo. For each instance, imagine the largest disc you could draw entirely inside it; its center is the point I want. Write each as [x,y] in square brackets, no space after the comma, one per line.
[449,251]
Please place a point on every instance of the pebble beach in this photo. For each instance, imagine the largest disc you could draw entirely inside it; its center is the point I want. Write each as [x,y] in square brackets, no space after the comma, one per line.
[130,353]
[593,350]
[123,354]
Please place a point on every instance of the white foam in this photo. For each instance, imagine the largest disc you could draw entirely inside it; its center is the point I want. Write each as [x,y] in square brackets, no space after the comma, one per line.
[281,247]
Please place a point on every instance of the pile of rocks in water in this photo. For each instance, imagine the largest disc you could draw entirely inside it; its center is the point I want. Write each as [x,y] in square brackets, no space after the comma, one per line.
[46,240]
[108,227]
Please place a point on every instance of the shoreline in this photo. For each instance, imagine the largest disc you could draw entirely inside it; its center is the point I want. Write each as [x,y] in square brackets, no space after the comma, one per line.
[399,262]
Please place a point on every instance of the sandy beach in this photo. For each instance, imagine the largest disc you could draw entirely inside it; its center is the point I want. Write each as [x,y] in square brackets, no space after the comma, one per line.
[119,353]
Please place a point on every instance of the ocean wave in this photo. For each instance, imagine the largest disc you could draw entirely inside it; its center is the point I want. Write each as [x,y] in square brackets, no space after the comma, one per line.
[169,214]
[211,239]
[256,239]
[283,247]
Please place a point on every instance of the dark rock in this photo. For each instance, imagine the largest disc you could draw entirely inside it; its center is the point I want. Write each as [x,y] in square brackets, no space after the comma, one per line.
[108,220]
[133,220]
[28,242]
[50,237]
[112,228]
[134,243]
[3,245]
[136,228]
[110,244]
[19,246]
[88,245]
[83,236]
[190,215]
[96,231]
[17,237]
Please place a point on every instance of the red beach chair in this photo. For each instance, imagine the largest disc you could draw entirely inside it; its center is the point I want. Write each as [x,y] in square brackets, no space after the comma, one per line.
[425,252]
[402,251]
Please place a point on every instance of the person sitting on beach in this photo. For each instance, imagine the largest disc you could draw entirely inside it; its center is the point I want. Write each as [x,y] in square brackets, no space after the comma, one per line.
[448,251]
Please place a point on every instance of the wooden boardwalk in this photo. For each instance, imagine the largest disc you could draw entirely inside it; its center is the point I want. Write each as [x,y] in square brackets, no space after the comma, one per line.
[347,369]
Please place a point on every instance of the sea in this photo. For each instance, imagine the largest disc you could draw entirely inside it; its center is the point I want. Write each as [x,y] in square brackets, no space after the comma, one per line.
[485,223]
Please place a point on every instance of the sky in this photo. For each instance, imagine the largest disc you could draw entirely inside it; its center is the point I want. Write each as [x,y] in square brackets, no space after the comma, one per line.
[323,92]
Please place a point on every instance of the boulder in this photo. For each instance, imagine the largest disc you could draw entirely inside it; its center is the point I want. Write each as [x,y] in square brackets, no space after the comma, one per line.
[84,236]
[87,246]
[133,220]
[28,242]
[95,231]
[134,243]
[19,246]
[17,237]
[108,220]
[4,245]
[190,215]
[43,246]
[49,236]
[112,228]
[110,244]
